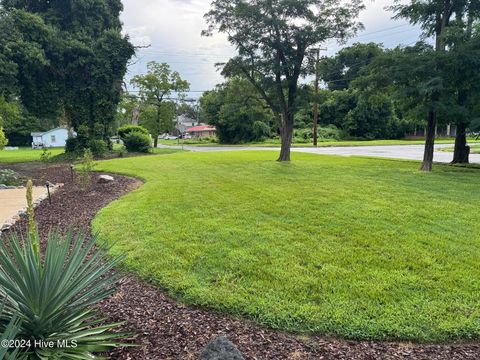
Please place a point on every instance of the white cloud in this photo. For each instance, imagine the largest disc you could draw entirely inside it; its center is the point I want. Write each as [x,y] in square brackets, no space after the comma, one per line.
[173,27]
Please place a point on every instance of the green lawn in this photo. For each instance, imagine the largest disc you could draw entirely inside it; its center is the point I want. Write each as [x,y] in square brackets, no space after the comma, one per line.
[474,149]
[25,155]
[276,143]
[354,247]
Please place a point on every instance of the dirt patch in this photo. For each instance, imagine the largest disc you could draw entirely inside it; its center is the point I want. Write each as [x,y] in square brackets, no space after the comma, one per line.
[168,330]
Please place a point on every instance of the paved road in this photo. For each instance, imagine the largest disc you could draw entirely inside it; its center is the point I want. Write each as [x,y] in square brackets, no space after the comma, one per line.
[407,152]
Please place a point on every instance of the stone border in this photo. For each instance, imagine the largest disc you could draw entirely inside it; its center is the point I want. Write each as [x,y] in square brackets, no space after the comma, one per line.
[23,212]
[8,187]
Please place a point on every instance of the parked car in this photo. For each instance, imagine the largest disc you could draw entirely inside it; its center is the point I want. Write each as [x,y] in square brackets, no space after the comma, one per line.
[170,137]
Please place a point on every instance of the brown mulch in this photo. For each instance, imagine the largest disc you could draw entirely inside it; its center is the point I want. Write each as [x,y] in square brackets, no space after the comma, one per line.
[169,330]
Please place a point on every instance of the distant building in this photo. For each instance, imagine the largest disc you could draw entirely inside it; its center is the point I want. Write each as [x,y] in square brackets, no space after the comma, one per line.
[202,131]
[184,122]
[52,138]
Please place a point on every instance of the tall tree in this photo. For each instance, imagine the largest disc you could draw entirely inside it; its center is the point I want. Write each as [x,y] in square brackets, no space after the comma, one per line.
[85,55]
[434,17]
[464,73]
[155,124]
[273,38]
[156,86]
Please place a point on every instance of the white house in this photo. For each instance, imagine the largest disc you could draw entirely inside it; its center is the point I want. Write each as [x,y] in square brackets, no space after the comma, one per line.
[52,138]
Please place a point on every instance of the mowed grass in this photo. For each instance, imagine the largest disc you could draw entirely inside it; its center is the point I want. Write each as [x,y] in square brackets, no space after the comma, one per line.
[353,247]
[474,149]
[25,155]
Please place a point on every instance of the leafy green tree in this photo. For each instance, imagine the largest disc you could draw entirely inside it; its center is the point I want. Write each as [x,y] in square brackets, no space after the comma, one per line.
[238,113]
[155,87]
[158,119]
[273,38]
[437,18]
[346,66]
[191,111]
[336,106]
[75,67]
[462,73]
[373,117]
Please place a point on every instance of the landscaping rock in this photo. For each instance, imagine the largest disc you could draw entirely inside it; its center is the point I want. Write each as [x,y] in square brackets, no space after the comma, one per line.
[104,179]
[5,187]
[221,349]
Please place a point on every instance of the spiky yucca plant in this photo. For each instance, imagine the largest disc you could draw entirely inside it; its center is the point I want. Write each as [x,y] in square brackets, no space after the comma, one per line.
[9,327]
[53,296]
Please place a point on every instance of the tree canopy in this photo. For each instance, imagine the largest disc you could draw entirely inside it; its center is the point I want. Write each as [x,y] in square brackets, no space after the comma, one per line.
[65,60]
[273,39]
[155,87]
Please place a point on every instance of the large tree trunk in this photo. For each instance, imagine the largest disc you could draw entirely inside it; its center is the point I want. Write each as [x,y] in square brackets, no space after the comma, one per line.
[461,152]
[286,135]
[429,142]
[442,19]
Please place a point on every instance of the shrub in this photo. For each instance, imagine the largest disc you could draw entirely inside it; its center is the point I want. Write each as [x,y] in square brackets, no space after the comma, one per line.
[85,169]
[3,139]
[97,147]
[75,145]
[45,155]
[128,129]
[137,142]
[9,177]
[53,298]
[303,136]
[330,132]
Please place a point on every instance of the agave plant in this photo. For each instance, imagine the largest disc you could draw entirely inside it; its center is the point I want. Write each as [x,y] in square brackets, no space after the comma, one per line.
[9,329]
[54,295]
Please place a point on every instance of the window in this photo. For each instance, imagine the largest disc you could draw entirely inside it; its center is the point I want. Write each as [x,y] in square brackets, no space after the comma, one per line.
[52,138]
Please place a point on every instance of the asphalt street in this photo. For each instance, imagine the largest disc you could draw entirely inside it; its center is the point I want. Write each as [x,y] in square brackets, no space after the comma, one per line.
[406,152]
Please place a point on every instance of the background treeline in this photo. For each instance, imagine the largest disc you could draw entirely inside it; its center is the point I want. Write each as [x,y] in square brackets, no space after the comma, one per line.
[370,93]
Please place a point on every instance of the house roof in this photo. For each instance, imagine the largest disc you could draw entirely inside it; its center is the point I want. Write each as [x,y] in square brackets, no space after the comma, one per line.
[33,134]
[201,128]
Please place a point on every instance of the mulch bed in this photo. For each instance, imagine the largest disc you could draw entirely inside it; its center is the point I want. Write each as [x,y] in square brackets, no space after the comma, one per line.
[166,329]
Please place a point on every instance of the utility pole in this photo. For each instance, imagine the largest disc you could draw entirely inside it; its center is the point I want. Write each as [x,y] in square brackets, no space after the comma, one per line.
[315,103]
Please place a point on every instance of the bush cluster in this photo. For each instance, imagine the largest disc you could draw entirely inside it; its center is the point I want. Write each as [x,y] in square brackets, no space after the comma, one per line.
[327,133]
[135,138]
[9,177]
[127,129]
[137,142]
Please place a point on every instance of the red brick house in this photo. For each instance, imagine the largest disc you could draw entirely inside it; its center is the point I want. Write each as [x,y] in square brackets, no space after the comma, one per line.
[202,131]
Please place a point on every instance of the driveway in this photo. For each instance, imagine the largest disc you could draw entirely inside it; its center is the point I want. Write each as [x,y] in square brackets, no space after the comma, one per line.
[406,152]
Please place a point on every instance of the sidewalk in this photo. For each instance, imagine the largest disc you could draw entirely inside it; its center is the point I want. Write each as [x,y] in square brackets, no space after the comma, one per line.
[13,200]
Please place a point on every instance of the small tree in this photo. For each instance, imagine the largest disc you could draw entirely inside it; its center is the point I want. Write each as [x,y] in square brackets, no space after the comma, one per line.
[86,169]
[155,87]
[3,139]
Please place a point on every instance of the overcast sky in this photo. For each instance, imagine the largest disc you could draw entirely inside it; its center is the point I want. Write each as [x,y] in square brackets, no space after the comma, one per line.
[172,28]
